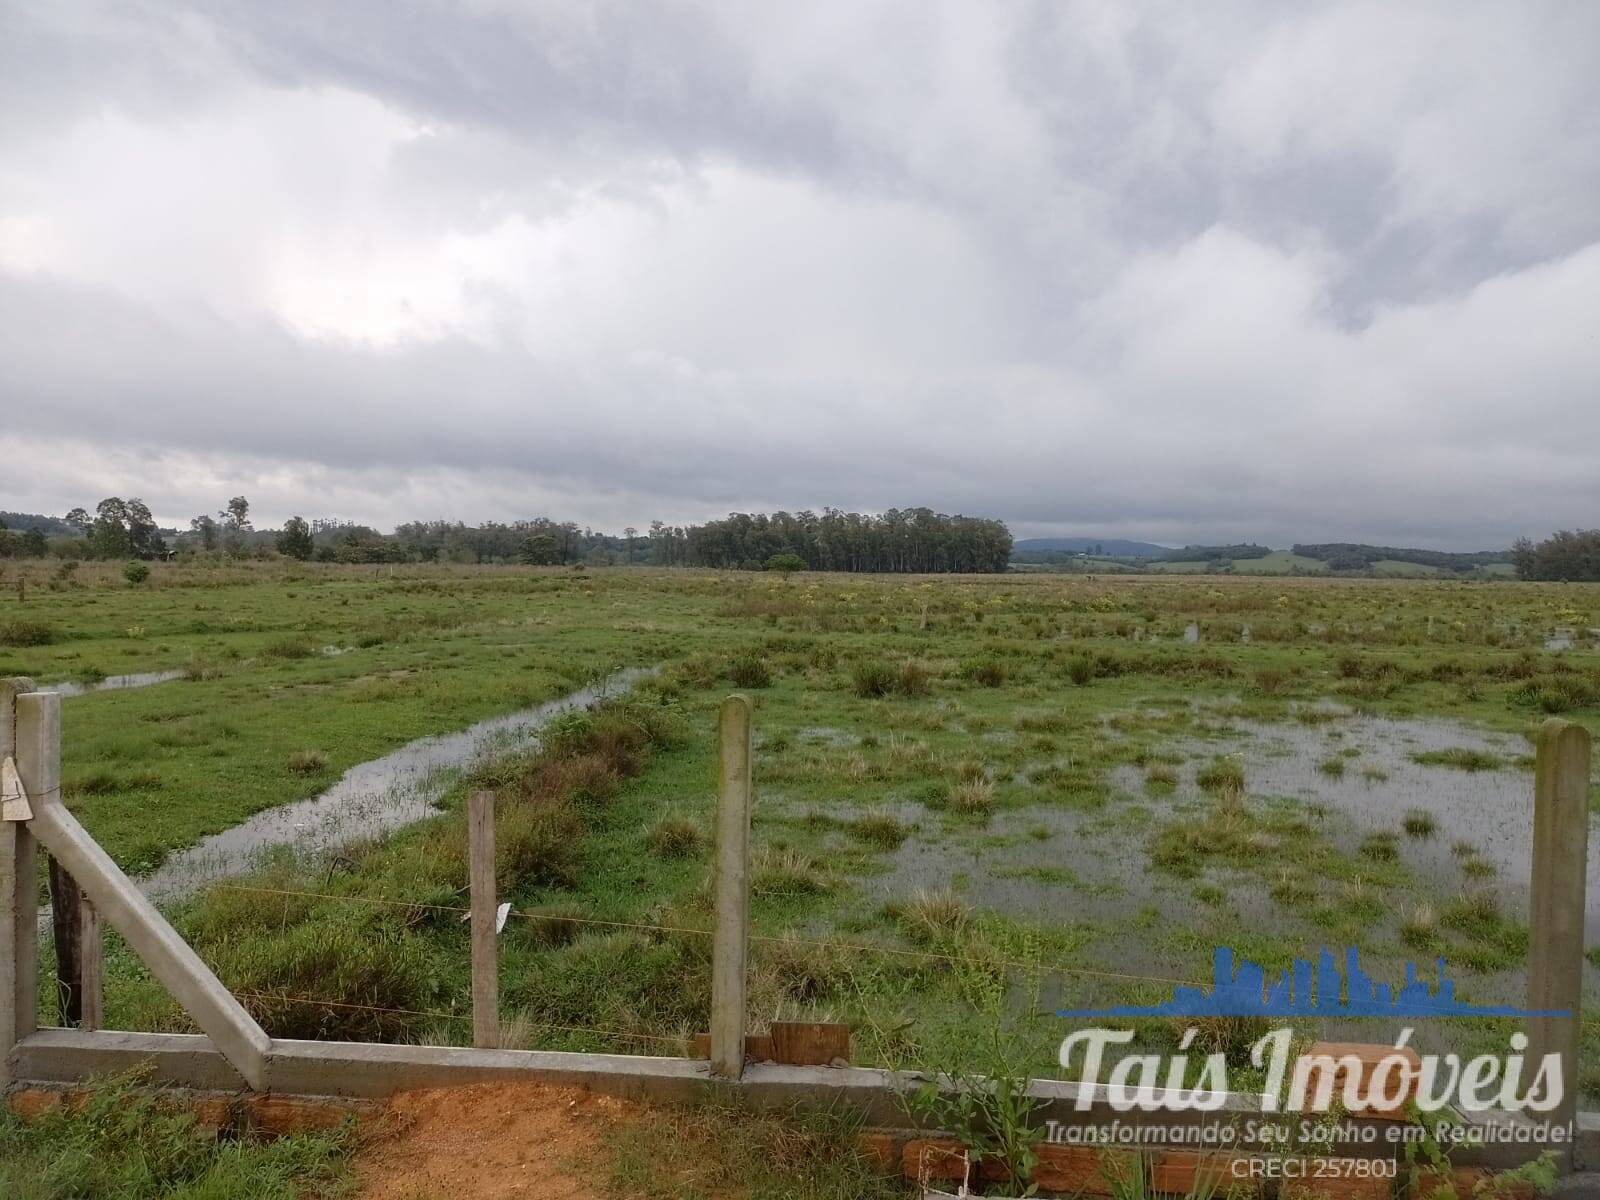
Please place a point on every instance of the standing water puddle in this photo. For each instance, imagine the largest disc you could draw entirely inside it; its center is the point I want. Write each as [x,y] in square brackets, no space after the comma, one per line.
[1378,780]
[113,683]
[116,683]
[371,798]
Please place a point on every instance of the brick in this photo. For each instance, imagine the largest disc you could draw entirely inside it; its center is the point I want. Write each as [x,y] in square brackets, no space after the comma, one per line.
[933,1158]
[213,1112]
[32,1103]
[1465,1181]
[1178,1171]
[881,1149]
[1400,1087]
[1085,1170]
[1341,1188]
[279,1115]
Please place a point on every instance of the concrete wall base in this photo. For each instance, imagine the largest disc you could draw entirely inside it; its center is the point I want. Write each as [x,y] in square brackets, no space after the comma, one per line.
[372,1071]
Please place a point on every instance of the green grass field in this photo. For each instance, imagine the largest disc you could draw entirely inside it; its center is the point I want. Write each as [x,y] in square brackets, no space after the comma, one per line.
[979,799]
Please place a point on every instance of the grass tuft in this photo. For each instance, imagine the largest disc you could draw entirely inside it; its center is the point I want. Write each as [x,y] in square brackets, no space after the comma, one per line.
[25,633]
[676,837]
[750,671]
[972,797]
[307,762]
[1459,757]
[1419,823]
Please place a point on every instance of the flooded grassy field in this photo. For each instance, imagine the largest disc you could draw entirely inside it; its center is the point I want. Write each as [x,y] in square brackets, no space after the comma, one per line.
[979,799]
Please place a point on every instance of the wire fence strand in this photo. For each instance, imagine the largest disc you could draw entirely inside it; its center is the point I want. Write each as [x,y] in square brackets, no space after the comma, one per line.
[769,939]
[445,1015]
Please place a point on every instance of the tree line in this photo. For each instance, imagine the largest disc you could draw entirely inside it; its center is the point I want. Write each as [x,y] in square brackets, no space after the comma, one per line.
[1572,555]
[1242,550]
[899,540]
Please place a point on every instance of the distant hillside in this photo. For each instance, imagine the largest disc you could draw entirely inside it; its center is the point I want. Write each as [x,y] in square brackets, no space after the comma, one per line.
[49,526]
[1234,553]
[1355,556]
[1081,555]
[1100,547]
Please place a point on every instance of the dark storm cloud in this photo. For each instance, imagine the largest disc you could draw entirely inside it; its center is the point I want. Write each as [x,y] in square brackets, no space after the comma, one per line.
[1178,272]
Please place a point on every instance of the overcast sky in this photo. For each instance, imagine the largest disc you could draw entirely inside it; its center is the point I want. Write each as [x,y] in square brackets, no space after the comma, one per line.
[1175,271]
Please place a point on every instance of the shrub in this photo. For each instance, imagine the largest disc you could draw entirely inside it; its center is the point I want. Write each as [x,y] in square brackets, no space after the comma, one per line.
[750,671]
[914,679]
[136,572]
[25,633]
[785,563]
[1556,693]
[872,679]
[987,673]
[1080,669]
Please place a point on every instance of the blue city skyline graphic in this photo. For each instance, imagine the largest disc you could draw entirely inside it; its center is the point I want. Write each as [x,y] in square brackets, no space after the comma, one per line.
[1307,991]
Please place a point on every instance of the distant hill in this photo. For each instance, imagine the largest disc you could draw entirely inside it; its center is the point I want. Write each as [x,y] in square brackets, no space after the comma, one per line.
[1355,556]
[49,526]
[1235,553]
[1248,558]
[1100,547]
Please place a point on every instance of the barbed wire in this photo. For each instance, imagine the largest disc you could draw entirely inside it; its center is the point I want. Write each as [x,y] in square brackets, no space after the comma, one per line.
[445,1015]
[768,939]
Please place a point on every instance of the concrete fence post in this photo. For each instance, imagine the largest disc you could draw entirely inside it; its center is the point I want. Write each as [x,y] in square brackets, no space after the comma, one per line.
[485,952]
[19,904]
[731,939]
[1555,924]
[170,959]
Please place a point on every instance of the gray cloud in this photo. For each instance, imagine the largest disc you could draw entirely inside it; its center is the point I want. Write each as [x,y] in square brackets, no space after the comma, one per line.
[1189,273]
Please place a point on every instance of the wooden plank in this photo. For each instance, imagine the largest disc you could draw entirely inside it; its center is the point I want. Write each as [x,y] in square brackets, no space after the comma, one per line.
[66,915]
[91,993]
[757,1047]
[730,941]
[485,951]
[170,959]
[810,1043]
[1557,902]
